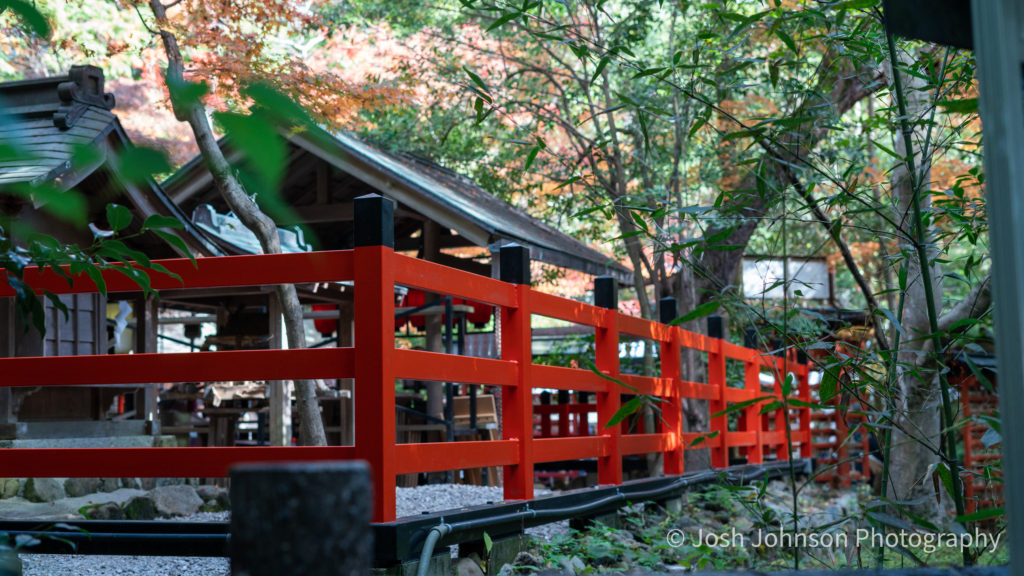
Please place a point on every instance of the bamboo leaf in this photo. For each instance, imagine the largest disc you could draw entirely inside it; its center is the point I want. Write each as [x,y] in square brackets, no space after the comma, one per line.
[626,410]
[741,405]
[699,312]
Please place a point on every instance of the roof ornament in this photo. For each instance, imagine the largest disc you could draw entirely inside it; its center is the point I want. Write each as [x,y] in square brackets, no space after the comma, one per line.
[84,88]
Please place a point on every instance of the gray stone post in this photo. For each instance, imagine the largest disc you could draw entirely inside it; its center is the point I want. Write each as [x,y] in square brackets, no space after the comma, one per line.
[301,518]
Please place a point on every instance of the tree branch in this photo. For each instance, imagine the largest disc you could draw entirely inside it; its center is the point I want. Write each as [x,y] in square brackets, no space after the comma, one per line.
[974,305]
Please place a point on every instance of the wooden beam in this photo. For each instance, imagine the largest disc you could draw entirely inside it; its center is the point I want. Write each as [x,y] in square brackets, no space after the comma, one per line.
[447,241]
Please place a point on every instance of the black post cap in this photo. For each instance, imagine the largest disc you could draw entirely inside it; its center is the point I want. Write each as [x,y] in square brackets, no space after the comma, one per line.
[716,328]
[545,398]
[801,357]
[750,337]
[563,397]
[515,264]
[374,220]
[667,310]
[606,292]
[583,397]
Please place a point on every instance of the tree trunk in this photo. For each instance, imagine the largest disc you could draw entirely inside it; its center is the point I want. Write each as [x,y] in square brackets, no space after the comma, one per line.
[311,432]
[917,440]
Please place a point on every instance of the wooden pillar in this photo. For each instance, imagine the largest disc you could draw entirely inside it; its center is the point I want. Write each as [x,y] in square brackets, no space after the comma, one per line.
[280,390]
[346,338]
[517,346]
[375,346]
[434,325]
[717,378]
[671,368]
[147,326]
[606,347]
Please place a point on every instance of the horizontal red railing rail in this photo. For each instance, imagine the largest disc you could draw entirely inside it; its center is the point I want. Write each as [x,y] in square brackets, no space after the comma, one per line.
[375,364]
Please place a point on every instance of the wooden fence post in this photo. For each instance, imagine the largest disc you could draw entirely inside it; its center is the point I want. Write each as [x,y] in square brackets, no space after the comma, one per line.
[716,377]
[375,347]
[803,381]
[310,518]
[671,368]
[606,348]
[752,420]
[517,346]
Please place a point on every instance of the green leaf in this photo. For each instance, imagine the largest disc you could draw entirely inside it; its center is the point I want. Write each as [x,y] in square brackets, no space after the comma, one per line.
[812,405]
[93,273]
[855,4]
[703,438]
[141,164]
[177,242]
[741,405]
[531,157]
[257,138]
[271,101]
[593,368]
[698,312]
[29,14]
[962,106]
[163,270]
[118,217]
[787,40]
[751,133]
[981,515]
[505,18]
[488,543]
[600,68]
[477,80]
[158,221]
[69,205]
[186,93]
[787,385]
[892,318]
[625,411]
[648,72]
[829,386]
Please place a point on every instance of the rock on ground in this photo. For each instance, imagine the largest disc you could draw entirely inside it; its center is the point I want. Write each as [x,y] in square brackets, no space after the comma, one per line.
[43,490]
[9,488]
[180,500]
[74,487]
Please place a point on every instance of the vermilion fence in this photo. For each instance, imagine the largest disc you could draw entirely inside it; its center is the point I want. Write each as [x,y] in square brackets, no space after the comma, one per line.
[375,364]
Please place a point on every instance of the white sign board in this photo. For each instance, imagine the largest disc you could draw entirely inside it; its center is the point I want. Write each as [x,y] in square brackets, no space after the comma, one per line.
[764,278]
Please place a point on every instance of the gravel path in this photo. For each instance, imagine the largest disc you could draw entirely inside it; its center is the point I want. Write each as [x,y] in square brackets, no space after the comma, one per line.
[411,501]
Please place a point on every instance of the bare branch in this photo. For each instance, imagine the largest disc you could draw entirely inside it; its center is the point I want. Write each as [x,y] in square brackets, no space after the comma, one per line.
[974,305]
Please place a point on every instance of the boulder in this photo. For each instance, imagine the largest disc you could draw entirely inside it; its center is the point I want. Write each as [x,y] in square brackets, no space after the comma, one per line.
[140,508]
[178,500]
[105,511]
[215,497]
[43,490]
[169,482]
[109,484]
[468,567]
[132,483]
[75,487]
[9,488]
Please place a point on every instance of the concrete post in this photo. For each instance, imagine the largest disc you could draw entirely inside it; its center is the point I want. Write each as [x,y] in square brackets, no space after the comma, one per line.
[303,518]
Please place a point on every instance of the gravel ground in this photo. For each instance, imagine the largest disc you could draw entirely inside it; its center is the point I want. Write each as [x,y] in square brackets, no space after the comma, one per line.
[411,501]
[438,497]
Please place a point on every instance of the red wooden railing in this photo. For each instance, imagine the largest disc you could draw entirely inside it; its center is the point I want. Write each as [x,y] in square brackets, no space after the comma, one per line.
[375,364]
